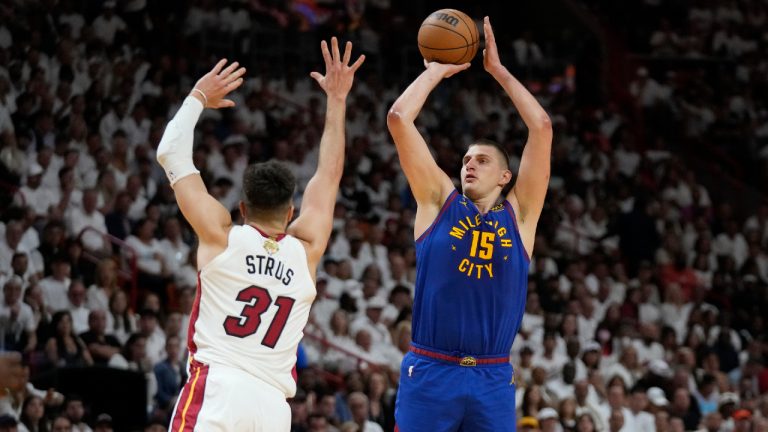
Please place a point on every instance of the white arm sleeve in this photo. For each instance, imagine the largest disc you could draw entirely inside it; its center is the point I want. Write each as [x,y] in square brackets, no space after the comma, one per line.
[175,150]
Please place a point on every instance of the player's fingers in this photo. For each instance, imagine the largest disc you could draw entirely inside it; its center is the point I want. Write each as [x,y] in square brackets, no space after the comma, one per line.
[234,84]
[488,30]
[226,103]
[326,54]
[426,63]
[233,76]
[335,48]
[347,53]
[216,69]
[317,76]
[359,62]
[229,69]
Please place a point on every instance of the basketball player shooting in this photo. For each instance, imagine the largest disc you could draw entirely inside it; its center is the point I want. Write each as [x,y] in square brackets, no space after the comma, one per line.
[256,281]
[473,252]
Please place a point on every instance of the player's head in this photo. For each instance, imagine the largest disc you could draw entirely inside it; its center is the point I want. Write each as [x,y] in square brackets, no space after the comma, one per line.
[268,190]
[484,169]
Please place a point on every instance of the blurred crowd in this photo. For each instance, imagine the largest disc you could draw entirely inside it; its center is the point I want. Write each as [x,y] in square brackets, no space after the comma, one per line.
[645,294]
[703,75]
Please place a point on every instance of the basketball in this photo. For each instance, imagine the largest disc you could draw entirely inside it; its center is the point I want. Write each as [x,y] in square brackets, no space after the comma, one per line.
[448,36]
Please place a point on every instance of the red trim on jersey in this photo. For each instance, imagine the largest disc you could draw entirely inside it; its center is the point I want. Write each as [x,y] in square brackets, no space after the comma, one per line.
[191,399]
[263,234]
[448,202]
[295,374]
[193,318]
[457,360]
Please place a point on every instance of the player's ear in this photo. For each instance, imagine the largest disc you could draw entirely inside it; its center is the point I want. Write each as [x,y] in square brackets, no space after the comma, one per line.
[506,177]
[243,211]
[289,216]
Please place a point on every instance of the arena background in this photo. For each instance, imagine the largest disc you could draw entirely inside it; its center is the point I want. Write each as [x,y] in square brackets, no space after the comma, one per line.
[648,284]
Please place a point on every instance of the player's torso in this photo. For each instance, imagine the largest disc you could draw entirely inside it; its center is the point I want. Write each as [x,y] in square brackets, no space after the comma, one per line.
[253,302]
[472,273]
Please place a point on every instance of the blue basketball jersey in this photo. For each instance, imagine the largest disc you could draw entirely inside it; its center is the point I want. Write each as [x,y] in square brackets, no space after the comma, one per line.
[471,280]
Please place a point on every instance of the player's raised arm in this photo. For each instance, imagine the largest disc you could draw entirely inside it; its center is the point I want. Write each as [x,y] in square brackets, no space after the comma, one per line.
[315,221]
[429,184]
[533,177]
[210,220]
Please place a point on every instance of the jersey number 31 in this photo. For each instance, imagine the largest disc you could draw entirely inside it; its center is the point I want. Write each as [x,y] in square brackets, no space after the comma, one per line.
[250,318]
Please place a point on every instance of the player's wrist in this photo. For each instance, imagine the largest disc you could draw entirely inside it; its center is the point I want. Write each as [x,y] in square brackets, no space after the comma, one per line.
[199,96]
[498,71]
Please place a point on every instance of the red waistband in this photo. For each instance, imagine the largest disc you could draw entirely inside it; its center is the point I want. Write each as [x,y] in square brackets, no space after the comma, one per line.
[461,361]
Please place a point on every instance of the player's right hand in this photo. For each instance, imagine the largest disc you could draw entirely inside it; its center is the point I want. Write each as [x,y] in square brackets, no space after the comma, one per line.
[445,70]
[217,84]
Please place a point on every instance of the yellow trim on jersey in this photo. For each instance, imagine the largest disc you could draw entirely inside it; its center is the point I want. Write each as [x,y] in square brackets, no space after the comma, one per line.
[189,401]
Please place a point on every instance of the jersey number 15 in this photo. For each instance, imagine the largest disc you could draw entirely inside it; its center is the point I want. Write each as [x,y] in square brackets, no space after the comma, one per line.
[250,318]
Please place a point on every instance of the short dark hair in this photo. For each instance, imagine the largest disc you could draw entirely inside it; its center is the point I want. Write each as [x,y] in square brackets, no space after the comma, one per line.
[502,151]
[268,187]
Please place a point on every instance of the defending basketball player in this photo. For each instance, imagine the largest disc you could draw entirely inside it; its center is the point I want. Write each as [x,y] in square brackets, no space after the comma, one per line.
[473,252]
[256,281]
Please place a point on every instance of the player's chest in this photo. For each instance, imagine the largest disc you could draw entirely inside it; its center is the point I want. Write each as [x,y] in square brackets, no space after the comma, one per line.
[475,245]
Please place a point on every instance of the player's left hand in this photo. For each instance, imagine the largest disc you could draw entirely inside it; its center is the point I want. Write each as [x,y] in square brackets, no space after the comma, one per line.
[491,61]
[217,84]
[339,75]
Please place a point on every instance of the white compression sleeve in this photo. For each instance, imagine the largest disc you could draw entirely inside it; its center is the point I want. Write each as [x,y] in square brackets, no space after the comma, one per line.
[175,150]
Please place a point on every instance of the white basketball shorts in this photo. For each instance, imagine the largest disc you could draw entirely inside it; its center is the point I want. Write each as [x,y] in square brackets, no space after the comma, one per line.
[219,398]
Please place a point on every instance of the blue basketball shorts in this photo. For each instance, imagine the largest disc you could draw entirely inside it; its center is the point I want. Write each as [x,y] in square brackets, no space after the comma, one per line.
[445,392]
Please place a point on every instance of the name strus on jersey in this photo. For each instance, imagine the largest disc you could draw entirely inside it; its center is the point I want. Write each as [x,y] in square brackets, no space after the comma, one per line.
[269,266]
[479,262]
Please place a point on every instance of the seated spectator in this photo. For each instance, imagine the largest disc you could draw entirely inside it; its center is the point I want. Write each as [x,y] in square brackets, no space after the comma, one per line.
[106,283]
[171,376]
[153,271]
[175,251]
[18,321]
[74,411]
[64,348]
[32,416]
[102,346]
[149,327]
[381,401]
[54,287]
[360,407]
[88,216]
[61,424]
[121,322]
[77,308]
[103,423]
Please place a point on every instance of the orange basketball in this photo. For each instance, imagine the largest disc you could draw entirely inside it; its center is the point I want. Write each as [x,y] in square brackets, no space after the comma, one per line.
[448,36]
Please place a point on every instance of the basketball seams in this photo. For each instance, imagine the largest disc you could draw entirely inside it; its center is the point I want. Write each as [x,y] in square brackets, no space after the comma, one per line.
[460,15]
[471,39]
[473,34]
[445,49]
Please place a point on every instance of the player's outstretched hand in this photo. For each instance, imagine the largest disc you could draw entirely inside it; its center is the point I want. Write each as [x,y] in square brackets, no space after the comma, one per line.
[445,70]
[339,75]
[214,86]
[491,61]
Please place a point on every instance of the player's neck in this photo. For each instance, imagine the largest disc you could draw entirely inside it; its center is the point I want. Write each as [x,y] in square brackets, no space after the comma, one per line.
[485,204]
[269,228]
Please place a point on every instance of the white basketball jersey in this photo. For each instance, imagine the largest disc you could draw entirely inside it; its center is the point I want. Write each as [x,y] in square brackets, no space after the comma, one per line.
[251,306]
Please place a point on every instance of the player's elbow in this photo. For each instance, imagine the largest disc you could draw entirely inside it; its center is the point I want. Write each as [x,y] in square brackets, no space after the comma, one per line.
[395,118]
[542,123]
